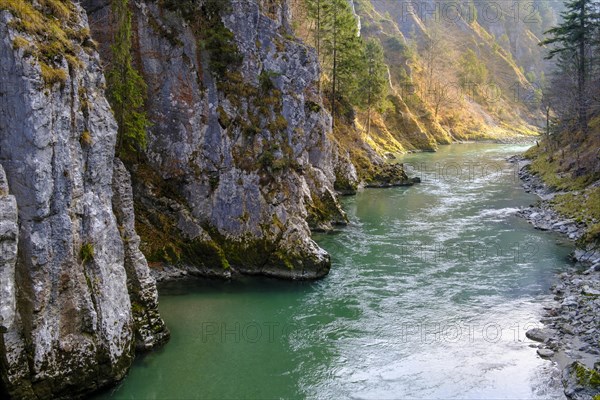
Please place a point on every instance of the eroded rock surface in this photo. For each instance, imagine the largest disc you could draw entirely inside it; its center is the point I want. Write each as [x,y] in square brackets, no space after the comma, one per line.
[71,329]
[239,167]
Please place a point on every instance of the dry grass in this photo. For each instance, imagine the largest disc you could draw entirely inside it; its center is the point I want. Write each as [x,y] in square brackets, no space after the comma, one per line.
[86,138]
[46,30]
[20,42]
[52,75]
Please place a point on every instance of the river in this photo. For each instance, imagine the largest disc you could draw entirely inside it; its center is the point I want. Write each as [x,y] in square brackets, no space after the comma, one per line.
[430,293]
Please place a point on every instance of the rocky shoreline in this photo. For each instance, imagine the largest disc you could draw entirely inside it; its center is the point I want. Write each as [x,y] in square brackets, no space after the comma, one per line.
[571,335]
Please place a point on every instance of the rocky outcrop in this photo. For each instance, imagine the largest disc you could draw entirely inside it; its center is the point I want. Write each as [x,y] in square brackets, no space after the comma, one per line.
[390,175]
[346,176]
[238,157]
[9,239]
[71,328]
[150,329]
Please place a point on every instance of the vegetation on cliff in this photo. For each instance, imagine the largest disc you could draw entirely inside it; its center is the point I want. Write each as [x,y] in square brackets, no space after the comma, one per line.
[51,33]
[126,88]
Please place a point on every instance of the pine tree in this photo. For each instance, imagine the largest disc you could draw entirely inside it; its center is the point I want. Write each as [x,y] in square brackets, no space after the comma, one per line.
[315,11]
[126,88]
[375,77]
[340,43]
[573,39]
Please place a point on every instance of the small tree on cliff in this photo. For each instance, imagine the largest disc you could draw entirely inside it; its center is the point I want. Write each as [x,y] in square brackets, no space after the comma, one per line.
[126,88]
[315,12]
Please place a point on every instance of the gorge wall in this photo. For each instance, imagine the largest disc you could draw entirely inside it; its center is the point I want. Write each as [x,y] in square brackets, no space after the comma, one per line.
[76,298]
[241,164]
[237,170]
[238,166]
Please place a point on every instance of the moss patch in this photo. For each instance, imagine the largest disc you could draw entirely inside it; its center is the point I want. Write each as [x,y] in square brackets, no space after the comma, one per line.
[322,210]
[86,253]
[586,377]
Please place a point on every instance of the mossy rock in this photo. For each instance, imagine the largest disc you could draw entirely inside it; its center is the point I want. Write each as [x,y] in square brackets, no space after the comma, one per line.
[324,210]
[581,382]
[388,175]
[344,186]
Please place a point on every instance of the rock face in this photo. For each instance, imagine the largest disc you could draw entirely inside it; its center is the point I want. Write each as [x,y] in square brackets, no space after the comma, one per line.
[150,329]
[238,158]
[9,239]
[71,328]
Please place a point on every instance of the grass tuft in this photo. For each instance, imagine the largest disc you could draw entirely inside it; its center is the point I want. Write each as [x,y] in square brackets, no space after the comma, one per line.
[20,42]
[53,75]
[86,138]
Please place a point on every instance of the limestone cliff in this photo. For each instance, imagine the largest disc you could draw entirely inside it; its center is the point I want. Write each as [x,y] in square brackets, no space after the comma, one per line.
[70,271]
[238,166]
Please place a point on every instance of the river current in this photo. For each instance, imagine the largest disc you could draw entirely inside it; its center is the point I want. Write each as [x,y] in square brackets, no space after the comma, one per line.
[431,291]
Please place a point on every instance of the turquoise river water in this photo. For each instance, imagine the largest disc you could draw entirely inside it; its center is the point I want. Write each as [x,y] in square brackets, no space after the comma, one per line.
[431,291]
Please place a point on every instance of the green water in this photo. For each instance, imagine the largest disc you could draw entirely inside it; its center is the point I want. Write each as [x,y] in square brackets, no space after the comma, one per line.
[431,290]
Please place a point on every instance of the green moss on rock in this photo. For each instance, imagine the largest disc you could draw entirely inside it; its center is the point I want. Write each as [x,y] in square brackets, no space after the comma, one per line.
[586,376]
[86,253]
[322,210]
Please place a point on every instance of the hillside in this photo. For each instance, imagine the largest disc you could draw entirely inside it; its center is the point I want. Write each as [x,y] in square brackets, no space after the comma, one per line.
[434,96]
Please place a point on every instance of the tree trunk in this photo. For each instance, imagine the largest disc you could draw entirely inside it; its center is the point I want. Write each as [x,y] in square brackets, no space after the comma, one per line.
[581,73]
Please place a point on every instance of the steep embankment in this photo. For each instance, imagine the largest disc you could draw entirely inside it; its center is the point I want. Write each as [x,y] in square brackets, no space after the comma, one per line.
[566,169]
[449,65]
[76,297]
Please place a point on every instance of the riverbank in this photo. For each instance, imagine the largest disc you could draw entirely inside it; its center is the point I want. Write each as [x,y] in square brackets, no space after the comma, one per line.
[571,336]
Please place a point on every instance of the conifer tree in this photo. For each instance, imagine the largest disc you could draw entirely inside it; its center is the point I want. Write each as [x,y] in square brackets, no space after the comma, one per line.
[342,45]
[375,77]
[573,41]
[315,11]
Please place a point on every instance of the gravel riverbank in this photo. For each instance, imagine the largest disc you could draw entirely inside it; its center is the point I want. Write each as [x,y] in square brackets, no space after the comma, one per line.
[571,335]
